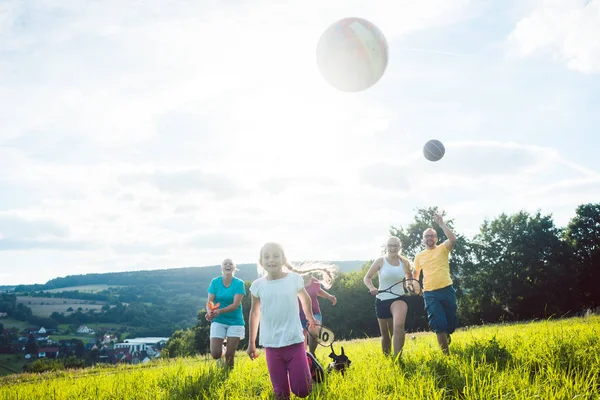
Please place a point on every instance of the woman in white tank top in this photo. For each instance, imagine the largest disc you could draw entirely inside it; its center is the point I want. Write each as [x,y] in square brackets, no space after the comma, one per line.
[390,309]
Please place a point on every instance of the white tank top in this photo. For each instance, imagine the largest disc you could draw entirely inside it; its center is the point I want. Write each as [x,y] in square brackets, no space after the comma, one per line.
[388,275]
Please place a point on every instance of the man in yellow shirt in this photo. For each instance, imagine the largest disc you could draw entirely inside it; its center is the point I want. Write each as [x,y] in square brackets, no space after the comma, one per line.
[438,293]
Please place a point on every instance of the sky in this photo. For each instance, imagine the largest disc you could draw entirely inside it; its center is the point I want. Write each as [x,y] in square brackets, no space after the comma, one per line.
[161,134]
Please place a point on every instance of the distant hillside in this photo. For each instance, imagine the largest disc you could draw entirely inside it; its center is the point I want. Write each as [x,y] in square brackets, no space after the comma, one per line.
[149,303]
[188,279]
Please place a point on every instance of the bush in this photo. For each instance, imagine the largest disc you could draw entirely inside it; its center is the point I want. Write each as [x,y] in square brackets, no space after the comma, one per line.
[73,363]
[45,365]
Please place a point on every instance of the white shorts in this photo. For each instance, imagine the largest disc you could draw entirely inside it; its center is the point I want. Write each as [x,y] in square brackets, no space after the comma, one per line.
[221,331]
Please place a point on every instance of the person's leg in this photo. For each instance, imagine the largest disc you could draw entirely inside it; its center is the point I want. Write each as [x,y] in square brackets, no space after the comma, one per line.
[216,348]
[235,333]
[217,335]
[385,321]
[299,373]
[386,329]
[437,318]
[442,339]
[451,310]
[398,309]
[277,366]
[232,344]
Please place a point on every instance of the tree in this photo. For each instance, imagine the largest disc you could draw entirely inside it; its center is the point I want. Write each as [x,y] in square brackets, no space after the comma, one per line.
[31,347]
[518,261]
[79,347]
[583,235]
[180,344]
[94,355]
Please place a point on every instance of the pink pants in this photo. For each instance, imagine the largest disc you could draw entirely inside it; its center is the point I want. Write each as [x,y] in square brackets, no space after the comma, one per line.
[288,367]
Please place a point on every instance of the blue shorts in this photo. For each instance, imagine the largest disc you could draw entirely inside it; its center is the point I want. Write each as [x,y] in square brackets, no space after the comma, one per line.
[318,318]
[441,309]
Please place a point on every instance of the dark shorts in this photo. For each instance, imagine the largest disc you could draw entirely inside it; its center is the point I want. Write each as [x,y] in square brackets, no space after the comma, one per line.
[382,307]
[441,309]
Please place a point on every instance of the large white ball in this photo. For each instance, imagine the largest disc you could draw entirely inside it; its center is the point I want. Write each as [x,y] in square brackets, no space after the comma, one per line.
[352,54]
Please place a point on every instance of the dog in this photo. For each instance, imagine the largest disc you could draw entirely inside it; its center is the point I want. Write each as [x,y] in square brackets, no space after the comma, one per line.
[340,361]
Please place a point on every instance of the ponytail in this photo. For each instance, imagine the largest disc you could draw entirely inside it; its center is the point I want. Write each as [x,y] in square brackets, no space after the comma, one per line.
[325,273]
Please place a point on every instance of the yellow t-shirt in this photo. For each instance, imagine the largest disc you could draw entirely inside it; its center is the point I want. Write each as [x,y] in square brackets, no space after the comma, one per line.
[435,266]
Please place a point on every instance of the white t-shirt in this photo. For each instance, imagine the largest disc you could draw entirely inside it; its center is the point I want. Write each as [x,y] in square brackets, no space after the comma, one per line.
[279,319]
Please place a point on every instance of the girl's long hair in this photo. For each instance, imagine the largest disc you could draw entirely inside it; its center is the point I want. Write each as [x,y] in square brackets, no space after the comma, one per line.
[324,272]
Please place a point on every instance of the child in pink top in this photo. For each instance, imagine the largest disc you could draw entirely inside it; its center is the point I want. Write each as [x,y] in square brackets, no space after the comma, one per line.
[314,287]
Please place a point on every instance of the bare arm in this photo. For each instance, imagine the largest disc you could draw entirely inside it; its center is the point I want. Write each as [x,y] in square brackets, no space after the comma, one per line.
[324,294]
[210,314]
[211,298]
[417,270]
[237,299]
[408,273]
[449,243]
[368,279]
[306,302]
[253,319]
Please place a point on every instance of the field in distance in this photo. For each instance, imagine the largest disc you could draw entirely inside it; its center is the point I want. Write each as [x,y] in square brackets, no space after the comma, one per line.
[83,288]
[45,306]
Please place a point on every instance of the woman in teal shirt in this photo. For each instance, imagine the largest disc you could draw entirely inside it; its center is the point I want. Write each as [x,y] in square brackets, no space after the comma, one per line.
[224,307]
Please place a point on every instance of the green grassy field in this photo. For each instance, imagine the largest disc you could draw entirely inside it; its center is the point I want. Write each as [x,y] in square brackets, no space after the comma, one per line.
[83,338]
[60,305]
[84,288]
[14,323]
[541,360]
[11,364]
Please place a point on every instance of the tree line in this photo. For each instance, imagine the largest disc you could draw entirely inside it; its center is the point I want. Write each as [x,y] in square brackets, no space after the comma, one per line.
[517,267]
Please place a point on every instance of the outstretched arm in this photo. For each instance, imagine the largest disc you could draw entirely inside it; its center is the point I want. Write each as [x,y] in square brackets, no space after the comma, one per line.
[253,319]
[237,299]
[449,243]
[368,279]
[306,302]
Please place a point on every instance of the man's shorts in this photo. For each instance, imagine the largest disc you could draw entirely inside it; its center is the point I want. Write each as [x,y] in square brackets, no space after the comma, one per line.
[441,309]
[221,331]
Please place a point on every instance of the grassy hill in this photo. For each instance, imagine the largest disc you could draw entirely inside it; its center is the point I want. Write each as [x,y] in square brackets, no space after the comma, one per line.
[547,360]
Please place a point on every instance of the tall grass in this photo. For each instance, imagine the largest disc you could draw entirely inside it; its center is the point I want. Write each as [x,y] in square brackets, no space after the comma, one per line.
[541,360]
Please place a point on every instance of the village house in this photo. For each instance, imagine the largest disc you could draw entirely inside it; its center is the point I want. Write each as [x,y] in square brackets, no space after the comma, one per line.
[108,339]
[48,352]
[84,329]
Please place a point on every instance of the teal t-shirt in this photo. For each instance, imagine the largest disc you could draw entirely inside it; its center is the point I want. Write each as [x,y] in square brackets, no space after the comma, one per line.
[224,295]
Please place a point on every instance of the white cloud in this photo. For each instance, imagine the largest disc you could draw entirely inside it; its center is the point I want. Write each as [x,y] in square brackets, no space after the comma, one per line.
[567,30]
[13,226]
[184,181]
